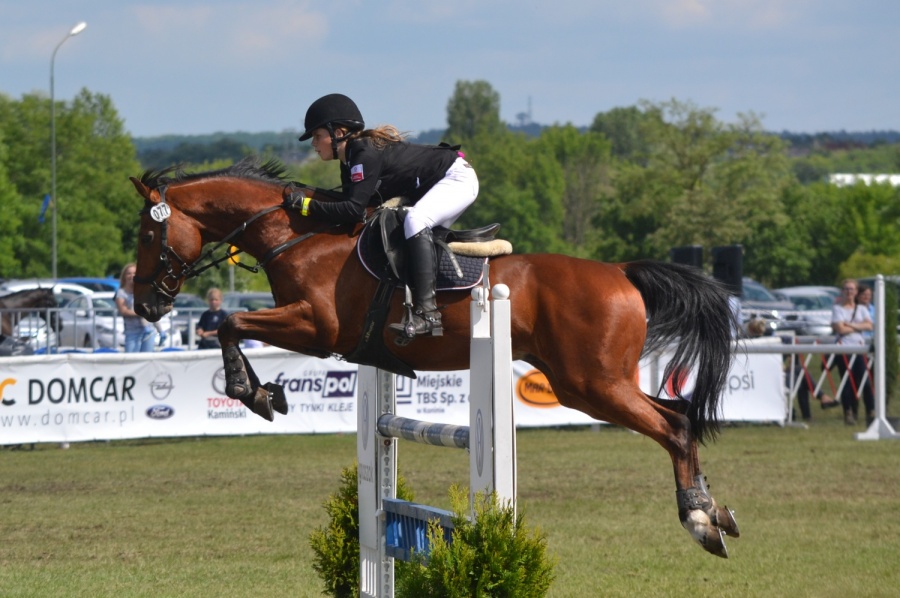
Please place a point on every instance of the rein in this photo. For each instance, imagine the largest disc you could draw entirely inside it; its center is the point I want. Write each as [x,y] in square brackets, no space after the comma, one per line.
[161,213]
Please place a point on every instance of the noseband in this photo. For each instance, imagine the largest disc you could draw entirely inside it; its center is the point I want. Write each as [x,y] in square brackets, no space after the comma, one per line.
[161,212]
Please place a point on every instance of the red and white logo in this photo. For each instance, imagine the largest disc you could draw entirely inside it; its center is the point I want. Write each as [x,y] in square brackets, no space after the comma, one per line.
[356,173]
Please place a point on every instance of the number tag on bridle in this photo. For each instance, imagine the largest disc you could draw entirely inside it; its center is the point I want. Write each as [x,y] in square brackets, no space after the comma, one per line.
[160,212]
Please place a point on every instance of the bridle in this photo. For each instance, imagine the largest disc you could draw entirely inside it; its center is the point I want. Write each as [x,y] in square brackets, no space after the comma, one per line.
[169,285]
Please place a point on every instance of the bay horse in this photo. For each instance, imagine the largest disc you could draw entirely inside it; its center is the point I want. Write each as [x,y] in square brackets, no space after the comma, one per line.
[584,324]
[12,307]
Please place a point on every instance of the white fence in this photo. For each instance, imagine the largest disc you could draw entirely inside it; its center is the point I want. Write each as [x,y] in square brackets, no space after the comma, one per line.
[70,397]
[879,427]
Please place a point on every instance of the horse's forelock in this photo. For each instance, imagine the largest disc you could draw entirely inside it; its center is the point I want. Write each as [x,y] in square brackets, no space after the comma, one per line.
[154,178]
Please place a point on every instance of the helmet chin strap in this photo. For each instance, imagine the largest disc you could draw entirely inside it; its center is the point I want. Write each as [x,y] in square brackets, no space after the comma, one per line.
[336,140]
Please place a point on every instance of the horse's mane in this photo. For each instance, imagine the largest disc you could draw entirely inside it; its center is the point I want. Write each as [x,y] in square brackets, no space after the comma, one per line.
[251,167]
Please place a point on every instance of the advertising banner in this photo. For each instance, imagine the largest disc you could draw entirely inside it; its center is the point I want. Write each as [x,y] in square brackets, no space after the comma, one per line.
[77,397]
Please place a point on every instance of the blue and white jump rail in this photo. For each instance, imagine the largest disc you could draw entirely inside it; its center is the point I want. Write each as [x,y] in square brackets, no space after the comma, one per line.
[391,528]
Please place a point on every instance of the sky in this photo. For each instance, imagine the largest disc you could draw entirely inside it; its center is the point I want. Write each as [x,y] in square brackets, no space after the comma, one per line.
[191,67]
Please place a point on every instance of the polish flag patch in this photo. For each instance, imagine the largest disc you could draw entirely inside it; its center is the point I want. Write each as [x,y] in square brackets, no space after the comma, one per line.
[356,173]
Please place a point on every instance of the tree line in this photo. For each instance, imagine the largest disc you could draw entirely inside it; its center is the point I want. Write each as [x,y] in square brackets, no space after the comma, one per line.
[637,182]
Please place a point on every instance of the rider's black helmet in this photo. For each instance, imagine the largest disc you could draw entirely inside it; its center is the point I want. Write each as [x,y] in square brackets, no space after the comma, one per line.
[331,111]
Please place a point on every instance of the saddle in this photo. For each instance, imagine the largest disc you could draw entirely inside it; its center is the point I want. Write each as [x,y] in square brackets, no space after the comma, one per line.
[381,250]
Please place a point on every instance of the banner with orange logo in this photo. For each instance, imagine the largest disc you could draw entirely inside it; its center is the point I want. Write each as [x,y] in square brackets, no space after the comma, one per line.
[75,397]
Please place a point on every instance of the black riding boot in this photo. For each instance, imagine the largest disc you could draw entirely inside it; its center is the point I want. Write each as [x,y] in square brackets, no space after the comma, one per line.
[426,319]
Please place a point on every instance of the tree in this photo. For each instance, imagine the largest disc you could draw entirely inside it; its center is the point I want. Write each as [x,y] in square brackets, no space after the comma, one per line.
[703,182]
[520,183]
[521,187]
[96,205]
[624,129]
[10,219]
[474,109]
[585,162]
[195,153]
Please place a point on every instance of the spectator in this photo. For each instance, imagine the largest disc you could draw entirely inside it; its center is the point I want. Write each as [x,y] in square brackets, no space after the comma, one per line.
[210,320]
[864,298]
[140,335]
[849,320]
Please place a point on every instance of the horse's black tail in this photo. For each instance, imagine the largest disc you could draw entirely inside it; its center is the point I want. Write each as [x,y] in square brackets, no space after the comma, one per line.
[691,311]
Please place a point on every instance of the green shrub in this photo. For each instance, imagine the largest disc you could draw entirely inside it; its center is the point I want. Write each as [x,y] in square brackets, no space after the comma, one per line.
[494,555]
[336,546]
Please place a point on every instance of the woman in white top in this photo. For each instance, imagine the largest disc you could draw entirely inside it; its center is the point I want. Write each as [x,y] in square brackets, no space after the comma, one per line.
[849,320]
[140,335]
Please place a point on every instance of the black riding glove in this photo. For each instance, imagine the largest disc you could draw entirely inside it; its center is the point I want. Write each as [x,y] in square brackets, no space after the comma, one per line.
[298,201]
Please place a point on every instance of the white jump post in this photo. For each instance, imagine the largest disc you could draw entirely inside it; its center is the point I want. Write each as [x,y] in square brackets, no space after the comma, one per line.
[880,428]
[490,438]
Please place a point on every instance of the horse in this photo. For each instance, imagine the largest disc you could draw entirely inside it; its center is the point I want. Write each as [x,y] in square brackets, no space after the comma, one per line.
[583,324]
[15,303]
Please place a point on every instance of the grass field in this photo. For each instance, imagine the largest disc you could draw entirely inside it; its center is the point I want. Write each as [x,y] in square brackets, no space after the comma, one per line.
[819,513]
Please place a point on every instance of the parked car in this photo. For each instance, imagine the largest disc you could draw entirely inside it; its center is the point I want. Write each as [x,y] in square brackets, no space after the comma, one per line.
[34,332]
[185,314]
[14,347]
[758,302]
[64,291]
[247,301]
[812,305]
[95,284]
[92,321]
[834,292]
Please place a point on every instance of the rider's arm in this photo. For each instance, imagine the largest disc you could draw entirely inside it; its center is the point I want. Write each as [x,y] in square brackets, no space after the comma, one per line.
[359,179]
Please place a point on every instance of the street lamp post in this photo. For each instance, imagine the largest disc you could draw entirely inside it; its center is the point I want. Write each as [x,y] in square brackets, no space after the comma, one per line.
[75,31]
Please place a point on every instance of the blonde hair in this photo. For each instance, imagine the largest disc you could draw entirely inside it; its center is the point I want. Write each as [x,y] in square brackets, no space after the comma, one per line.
[124,269]
[381,136]
[213,292]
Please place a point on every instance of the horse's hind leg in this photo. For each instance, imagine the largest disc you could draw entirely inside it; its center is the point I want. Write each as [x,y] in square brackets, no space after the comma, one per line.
[720,516]
[625,404]
[698,496]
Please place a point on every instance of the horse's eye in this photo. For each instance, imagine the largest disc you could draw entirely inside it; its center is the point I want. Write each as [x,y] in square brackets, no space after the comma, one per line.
[147,239]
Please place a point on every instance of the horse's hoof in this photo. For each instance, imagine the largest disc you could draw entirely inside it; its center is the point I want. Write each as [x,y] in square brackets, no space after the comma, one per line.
[714,543]
[262,405]
[726,522]
[711,538]
[279,401]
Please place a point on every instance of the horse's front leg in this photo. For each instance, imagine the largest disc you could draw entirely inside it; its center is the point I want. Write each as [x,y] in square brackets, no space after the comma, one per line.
[242,383]
[272,326]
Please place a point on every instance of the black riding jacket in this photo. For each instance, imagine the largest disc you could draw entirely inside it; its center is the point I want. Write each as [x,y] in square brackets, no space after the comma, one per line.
[371,176]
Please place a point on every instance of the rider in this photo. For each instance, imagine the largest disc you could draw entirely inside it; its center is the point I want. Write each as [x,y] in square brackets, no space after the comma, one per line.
[377,165]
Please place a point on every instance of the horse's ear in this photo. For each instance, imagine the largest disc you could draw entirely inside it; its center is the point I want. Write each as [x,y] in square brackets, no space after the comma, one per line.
[143,189]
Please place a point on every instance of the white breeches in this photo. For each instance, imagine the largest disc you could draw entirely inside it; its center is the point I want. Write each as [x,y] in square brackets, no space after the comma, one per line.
[444,202]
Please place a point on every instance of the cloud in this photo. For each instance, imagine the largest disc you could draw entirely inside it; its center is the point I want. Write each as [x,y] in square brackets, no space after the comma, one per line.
[238,33]
[738,14]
